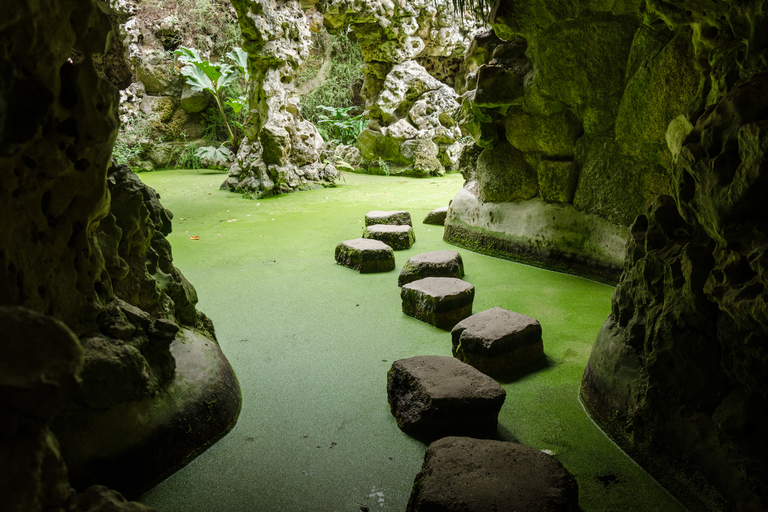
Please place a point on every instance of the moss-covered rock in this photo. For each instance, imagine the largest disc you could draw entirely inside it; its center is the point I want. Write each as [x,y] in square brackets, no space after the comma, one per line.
[557,180]
[503,174]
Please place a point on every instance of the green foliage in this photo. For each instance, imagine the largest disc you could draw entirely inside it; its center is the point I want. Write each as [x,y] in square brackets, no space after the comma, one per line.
[337,90]
[135,133]
[384,166]
[335,125]
[219,155]
[203,75]
[188,158]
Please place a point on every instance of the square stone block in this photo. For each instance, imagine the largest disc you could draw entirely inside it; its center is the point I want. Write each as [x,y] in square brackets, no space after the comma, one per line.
[461,474]
[399,237]
[435,396]
[432,264]
[365,255]
[437,216]
[496,341]
[399,218]
[440,301]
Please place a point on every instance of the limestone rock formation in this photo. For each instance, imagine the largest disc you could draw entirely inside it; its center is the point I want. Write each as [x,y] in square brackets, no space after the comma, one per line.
[89,250]
[282,150]
[412,52]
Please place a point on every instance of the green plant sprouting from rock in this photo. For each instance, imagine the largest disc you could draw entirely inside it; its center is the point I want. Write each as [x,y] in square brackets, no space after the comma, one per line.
[217,78]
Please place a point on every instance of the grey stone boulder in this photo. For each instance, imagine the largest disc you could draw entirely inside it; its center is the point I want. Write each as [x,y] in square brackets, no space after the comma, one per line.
[400,218]
[497,341]
[398,237]
[436,396]
[437,216]
[478,475]
[365,255]
[440,301]
[445,263]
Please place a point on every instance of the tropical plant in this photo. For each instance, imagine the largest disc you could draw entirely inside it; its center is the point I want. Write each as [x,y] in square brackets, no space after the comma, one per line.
[215,155]
[335,124]
[203,75]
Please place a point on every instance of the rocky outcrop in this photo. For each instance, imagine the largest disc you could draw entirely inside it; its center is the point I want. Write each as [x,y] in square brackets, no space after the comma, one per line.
[282,150]
[575,131]
[88,249]
[412,53]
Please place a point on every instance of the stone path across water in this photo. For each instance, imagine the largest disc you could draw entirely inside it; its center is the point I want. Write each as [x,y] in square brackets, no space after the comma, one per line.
[312,342]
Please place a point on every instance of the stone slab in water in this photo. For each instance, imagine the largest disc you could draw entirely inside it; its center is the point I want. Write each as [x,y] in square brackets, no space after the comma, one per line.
[437,216]
[400,218]
[436,396]
[445,263]
[399,237]
[496,341]
[440,301]
[477,475]
[365,255]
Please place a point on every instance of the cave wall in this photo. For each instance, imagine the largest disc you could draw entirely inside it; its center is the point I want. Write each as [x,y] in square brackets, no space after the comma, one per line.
[83,246]
[645,120]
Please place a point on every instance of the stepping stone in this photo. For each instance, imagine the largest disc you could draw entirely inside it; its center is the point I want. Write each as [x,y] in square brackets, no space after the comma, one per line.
[365,255]
[437,396]
[478,475]
[437,216]
[440,301]
[432,264]
[398,218]
[396,236]
[496,341]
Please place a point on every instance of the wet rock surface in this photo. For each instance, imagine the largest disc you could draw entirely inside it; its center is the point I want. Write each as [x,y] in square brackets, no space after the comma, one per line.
[436,396]
[365,255]
[440,301]
[396,218]
[398,238]
[85,245]
[475,475]
[437,216]
[432,264]
[496,341]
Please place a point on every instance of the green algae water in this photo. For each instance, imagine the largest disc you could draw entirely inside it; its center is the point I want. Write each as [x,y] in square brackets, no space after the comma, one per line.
[311,343]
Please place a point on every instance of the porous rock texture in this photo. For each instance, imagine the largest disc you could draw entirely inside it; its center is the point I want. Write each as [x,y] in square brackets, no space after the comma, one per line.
[90,251]
[649,115]
[461,474]
[281,150]
[412,51]
[437,396]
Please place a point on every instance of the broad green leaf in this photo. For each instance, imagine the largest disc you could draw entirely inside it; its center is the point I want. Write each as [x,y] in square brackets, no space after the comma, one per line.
[212,71]
[188,55]
[226,77]
[240,58]
[197,79]
[218,155]
[237,104]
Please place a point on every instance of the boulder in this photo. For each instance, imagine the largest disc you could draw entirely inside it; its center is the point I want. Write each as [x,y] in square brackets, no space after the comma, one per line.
[365,255]
[437,216]
[436,396]
[440,301]
[478,475]
[397,237]
[503,174]
[496,341]
[445,263]
[380,217]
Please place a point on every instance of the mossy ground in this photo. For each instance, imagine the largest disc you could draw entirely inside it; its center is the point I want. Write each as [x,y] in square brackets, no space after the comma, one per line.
[312,341]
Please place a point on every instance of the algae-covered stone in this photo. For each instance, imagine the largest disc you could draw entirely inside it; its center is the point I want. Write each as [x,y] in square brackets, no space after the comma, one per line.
[497,86]
[437,216]
[398,237]
[399,217]
[504,175]
[557,180]
[446,263]
[440,301]
[365,255]
[553,135]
